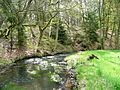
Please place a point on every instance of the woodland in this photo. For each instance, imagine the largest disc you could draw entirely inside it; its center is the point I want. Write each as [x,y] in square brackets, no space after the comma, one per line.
[37,28]
[46,26]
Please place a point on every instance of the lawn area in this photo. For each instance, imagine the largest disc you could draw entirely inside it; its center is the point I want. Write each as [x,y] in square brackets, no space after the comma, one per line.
[97,74]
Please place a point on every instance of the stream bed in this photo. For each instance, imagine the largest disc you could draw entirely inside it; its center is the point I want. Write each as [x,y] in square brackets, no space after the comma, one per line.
[46,73]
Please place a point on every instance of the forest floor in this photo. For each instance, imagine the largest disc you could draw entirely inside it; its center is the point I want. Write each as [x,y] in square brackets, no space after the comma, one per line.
[97,74]
[48,47]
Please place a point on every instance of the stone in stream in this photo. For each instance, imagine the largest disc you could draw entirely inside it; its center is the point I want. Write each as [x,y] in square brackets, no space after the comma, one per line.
[56,78]
[63,63]
[68,84]
[44,65]
[70,73]
[54,64]
[33,72]
[58,69]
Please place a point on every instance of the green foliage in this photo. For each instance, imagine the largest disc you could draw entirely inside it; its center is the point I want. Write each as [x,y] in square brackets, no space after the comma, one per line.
[91,25]
[7,8]
[11,19]
[62,36]
[88,37]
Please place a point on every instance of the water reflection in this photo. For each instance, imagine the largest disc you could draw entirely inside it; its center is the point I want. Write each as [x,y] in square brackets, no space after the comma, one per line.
[33,74]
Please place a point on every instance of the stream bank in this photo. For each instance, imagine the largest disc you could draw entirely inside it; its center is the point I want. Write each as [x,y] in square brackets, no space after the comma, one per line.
[101,72]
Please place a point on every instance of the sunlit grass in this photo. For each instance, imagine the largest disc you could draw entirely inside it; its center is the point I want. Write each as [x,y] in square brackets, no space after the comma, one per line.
[98,74]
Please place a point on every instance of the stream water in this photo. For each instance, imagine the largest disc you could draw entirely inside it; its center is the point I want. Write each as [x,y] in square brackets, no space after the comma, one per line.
[46,73]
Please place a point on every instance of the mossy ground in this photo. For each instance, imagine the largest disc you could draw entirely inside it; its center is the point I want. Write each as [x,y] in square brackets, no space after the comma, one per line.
[97,74]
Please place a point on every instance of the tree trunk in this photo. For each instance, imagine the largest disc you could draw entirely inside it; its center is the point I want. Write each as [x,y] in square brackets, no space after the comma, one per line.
[111,37]
[40,36]
[56,36]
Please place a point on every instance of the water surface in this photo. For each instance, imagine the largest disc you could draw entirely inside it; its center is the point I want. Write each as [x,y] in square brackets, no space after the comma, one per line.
[35,74]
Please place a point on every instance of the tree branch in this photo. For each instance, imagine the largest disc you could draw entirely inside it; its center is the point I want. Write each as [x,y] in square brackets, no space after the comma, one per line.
[24,16]
[49,21]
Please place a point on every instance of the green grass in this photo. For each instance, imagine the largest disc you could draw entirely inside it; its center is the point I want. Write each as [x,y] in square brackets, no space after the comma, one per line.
[98,74]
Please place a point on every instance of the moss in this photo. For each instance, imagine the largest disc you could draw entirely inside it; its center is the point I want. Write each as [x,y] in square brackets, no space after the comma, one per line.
[4,61]
[13,86]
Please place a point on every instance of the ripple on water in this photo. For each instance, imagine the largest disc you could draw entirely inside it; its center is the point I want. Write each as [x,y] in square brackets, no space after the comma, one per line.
[46,73]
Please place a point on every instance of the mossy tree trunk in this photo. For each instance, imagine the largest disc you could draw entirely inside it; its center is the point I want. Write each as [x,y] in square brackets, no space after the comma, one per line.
[21,34]
[40,22]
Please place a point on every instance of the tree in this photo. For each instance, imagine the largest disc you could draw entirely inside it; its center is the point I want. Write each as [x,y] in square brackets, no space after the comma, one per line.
[16,20]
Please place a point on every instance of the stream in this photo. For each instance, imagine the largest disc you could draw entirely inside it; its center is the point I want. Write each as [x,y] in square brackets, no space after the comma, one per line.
[45,73]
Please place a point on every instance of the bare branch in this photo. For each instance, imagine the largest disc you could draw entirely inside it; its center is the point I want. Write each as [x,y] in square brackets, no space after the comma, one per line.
[49,21]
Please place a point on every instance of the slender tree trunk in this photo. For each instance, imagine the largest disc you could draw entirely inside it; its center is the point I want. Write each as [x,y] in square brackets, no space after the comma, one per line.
[58,7]
[40,36]
[21,39]
[50,31]
[107,24]
[100,18]
[103,24]
[56,39]
[20,28]
[117,36]
[11,40]
[100,25]
[117,5]
[111,37]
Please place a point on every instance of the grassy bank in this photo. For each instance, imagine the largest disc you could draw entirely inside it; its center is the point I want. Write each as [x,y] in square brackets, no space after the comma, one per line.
[97,74]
